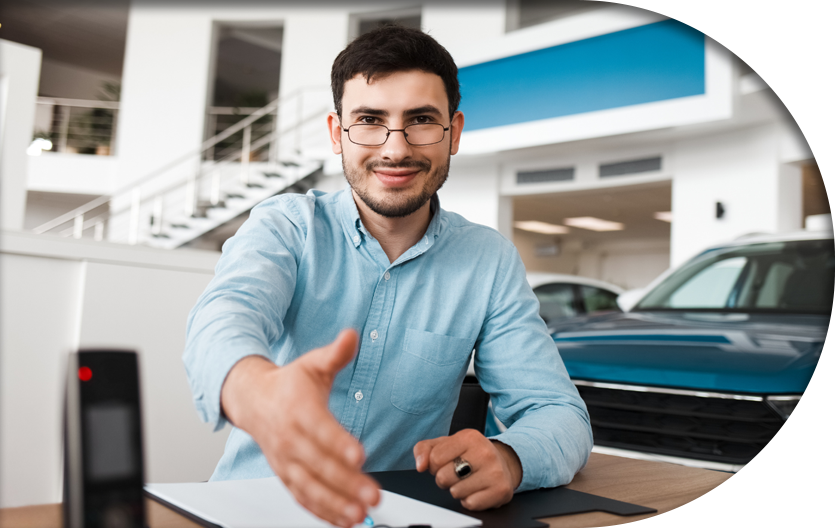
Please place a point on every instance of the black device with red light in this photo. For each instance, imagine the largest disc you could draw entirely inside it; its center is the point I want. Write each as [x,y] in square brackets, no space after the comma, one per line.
[103,459]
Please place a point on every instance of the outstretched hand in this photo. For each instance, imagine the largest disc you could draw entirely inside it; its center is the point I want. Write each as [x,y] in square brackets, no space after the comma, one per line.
[285,410]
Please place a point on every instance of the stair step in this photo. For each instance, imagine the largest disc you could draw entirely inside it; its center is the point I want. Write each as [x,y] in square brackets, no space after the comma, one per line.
[237,198]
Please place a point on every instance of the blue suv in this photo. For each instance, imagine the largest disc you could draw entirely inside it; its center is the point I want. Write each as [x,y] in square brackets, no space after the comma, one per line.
[727,363]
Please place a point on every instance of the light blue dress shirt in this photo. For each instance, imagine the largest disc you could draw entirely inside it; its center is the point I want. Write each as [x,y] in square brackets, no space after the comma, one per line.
[303,267]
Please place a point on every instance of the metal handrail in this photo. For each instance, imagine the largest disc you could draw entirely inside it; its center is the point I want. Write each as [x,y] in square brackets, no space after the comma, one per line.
[240,125]
[266,139]
[231,110]
[78,103]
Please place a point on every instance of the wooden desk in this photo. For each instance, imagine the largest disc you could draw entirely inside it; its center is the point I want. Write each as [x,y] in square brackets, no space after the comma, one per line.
[653,484]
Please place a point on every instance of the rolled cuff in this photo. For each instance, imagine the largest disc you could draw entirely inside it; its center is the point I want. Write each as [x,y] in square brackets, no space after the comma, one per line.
[207,401]
[530,456]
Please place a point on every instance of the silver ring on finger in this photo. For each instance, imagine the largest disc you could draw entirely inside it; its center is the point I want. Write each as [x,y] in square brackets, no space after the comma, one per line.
[463,469]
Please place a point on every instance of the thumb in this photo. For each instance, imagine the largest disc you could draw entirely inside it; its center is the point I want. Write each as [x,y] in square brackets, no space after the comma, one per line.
[330,359]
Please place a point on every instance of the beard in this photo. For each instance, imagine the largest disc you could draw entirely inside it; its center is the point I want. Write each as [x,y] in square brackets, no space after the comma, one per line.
[396,203]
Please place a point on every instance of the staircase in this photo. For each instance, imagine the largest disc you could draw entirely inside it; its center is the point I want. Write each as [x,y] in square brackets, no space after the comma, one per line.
[236,198]
[173,205]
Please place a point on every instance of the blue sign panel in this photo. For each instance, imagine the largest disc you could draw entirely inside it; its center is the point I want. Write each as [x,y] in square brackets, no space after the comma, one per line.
[655,62]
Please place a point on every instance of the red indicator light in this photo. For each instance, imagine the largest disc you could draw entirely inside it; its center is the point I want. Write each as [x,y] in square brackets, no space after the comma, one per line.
[85,374]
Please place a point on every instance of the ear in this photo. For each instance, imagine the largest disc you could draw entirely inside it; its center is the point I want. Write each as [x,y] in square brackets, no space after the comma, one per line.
[335,132]
[455,127]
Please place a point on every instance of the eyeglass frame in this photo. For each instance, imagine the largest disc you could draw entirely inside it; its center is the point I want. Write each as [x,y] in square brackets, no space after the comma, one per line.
[390,130]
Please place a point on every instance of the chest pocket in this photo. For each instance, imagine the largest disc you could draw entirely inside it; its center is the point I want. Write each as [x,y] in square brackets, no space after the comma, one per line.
[428,374]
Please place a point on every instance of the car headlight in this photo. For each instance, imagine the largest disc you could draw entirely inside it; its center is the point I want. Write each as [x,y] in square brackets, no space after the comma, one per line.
[812,416]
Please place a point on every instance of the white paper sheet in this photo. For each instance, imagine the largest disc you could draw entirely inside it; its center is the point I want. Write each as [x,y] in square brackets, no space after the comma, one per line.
[267,503]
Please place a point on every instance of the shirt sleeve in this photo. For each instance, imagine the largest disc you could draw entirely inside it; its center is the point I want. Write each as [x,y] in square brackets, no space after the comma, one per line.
[241,311]
[518,364]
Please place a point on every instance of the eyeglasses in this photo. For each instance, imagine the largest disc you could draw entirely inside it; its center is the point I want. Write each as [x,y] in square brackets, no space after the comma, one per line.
[417,135]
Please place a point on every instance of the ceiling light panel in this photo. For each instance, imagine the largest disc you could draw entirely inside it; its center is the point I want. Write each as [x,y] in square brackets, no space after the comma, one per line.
[541,227]
[593,224]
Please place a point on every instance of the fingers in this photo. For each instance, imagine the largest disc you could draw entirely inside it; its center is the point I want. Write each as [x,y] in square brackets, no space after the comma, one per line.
[312,463]
[319,425]
[446,478]
[320,499]
[445,452]
[485,499]
[347,481]
[422,450]
[490,483]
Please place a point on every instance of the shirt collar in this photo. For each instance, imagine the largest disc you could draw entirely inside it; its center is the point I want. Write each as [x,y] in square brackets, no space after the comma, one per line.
[356,233]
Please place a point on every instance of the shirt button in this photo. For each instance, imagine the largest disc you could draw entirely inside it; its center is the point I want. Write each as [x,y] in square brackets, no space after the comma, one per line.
[356,239]
[358,395]
[387,276]
[374,334]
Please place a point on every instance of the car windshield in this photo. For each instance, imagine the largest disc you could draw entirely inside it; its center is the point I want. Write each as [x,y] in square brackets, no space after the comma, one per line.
[785,277]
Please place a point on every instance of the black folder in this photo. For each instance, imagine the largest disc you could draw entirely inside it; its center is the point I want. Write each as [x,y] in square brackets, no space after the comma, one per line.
[521,512]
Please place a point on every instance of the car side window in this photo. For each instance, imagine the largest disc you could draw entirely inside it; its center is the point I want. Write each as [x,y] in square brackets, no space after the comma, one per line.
[599,300]
[556,301]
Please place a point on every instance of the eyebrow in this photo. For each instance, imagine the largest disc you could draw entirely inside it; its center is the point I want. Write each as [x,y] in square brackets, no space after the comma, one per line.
[426,109]
[367,110]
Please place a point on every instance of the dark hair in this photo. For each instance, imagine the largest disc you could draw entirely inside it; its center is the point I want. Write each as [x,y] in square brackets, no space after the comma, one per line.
[392,49]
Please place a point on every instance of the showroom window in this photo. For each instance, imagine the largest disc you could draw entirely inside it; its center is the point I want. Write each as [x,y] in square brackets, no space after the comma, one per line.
[527,13]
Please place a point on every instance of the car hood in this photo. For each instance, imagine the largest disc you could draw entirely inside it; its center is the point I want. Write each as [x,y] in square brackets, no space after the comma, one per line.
[728,352]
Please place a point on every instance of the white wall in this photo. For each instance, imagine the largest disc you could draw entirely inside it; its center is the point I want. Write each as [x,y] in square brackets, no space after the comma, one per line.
[19,68]
[72,173]
[472,190]
[145,309]
[38,307]
[59,79]
[456,25]
[627,262]
[59,295]
[741,169]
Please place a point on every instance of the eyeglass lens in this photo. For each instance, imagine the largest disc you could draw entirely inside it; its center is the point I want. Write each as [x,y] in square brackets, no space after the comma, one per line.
[375,135]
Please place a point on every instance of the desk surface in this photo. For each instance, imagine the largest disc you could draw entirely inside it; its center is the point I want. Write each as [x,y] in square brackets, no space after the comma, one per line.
[654,484]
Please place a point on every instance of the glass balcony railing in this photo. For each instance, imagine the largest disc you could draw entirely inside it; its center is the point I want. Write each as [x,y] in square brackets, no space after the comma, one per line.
[75,126]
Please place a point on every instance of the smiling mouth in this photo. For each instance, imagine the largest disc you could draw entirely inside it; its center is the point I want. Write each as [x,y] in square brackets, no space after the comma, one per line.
[396,173]
[398,176]
[393,179]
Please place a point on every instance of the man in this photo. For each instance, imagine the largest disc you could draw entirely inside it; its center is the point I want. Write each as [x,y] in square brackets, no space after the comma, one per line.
[422,288]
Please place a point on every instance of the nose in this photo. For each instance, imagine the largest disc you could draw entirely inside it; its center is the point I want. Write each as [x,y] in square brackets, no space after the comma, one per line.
[396,148]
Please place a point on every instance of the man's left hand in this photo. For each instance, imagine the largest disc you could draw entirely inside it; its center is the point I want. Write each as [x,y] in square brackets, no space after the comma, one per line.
[496,470]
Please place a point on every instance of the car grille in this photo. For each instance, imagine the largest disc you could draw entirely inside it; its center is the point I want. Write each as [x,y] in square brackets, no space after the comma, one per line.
[714,427]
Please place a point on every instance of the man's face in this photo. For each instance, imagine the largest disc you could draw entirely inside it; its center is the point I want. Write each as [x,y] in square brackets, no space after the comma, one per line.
[395,179]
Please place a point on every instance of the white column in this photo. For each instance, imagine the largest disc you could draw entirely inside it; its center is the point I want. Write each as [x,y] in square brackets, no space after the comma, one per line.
[164,87]
[19,71]
[743,171]
[472,190]
[165,82]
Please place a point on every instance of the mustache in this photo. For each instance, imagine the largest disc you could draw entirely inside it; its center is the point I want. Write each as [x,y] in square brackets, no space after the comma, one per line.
[405,164]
